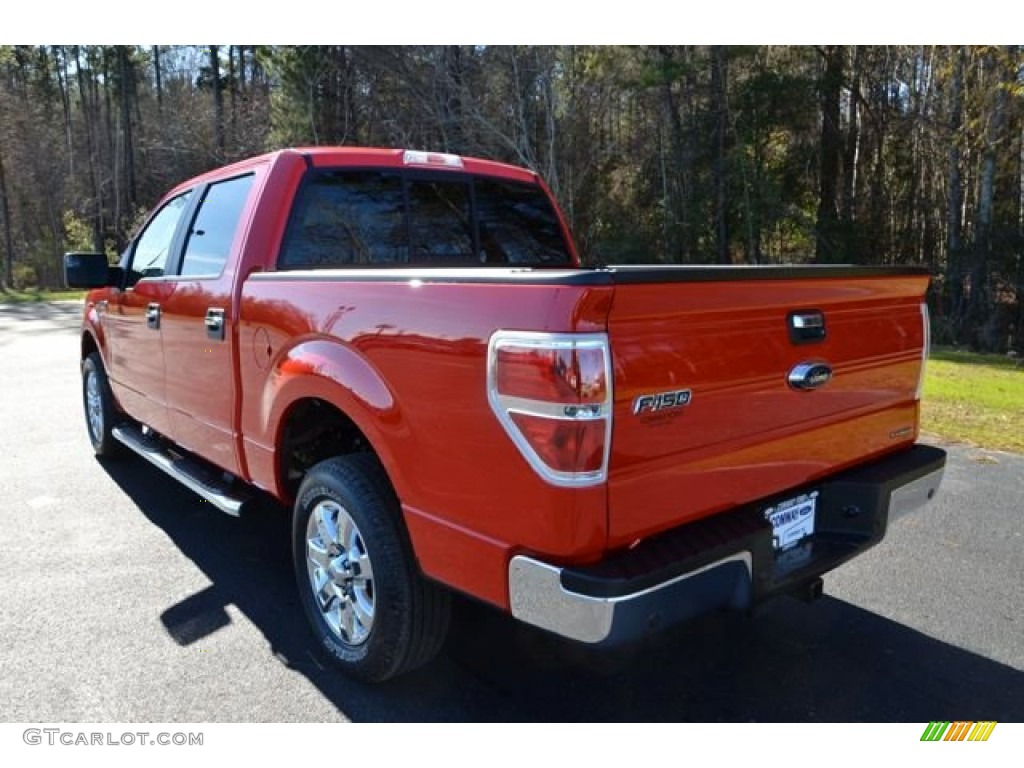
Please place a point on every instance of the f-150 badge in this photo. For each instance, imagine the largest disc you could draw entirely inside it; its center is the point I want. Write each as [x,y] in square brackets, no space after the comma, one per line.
[661,401]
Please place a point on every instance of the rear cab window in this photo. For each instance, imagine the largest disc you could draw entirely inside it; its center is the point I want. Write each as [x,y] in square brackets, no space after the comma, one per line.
[390,218]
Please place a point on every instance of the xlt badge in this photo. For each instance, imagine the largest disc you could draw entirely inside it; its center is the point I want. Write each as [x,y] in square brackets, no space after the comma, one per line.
[661,401]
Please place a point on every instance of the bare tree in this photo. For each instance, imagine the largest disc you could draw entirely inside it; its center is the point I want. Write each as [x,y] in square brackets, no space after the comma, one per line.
[218,100]
[830,154]
[720,109]
[5,213]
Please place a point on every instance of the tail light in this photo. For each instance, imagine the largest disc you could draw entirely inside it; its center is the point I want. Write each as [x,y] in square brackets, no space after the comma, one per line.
[926,347]
[553,395]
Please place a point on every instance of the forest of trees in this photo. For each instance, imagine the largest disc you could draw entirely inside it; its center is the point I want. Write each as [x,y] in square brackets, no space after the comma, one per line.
[675,154]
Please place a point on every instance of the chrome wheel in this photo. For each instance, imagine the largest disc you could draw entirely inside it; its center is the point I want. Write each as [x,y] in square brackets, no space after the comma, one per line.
[94,405]
[373,621]
[340,573]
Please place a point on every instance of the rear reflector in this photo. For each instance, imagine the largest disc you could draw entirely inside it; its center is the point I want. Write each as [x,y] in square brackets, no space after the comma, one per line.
[552,393]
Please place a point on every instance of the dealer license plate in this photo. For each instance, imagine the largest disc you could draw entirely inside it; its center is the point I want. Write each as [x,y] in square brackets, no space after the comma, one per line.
[792,520]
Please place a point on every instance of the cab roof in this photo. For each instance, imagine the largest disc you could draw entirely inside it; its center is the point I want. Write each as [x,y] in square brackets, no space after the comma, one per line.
[375,157]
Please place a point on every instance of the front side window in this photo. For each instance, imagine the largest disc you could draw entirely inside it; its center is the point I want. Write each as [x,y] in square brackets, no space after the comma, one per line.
[153,246]
[213,230]
[386,218]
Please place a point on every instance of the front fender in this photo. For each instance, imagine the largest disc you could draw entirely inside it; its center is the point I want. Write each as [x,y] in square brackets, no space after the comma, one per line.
[93,336]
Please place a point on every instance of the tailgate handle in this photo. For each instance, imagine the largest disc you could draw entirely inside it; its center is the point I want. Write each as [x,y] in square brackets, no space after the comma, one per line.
[806,326]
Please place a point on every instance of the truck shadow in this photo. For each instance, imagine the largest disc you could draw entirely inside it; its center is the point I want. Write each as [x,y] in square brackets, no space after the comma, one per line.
[831,661]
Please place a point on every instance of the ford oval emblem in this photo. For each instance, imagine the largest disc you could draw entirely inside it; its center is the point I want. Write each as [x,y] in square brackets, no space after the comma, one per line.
[810,376]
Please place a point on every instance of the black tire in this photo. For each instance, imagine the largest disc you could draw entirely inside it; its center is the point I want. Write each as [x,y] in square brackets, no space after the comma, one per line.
[99,422]
[409,614]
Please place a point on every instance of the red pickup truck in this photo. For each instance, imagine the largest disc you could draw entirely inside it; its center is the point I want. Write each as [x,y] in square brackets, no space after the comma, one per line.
[402,347]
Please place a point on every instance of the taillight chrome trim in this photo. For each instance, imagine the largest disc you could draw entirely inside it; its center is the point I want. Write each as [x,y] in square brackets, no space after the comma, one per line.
[549,410]
[504,405]
[926,347]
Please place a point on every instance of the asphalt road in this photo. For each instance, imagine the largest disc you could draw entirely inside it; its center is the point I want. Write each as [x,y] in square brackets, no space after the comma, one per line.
[125,598]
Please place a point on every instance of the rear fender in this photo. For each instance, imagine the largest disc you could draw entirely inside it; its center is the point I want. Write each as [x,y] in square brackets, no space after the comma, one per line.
[337,374]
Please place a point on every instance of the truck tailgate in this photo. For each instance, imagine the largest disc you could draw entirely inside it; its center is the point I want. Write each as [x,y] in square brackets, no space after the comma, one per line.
[705,414]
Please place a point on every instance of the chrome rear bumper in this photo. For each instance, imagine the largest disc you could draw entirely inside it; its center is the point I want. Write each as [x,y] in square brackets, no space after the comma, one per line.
[726,561]
[539,598]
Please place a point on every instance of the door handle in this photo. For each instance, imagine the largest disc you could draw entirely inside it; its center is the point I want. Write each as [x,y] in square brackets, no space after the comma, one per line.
[215,324]
[153,315]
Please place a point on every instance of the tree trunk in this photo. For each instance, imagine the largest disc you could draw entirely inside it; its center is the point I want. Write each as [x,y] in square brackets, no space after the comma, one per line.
[688,175]
[218,101]
[159,78]
[852,152]
[351,135]
[719,95]
[109,111]
[5,213]
[89,119]
[910,245]
[334,104]
[241,69]
[451,100]
[1020,239]
[828,247]
[257,74]
[551,126]
[982,306]
[674,201]
[232,94]
[61,68]
[954,282]
[127,76]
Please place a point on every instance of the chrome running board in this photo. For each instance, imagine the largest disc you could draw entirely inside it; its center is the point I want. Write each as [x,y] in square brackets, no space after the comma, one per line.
[188,471]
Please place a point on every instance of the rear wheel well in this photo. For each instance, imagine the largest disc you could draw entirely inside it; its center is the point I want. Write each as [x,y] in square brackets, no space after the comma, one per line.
[314,430]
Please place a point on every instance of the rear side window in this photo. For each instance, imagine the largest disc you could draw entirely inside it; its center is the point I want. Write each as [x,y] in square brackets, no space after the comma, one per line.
[386,218]
[517,225]
[213,230]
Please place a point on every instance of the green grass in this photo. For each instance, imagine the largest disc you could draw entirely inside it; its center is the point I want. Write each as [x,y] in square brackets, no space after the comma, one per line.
[8,296]
[977,399]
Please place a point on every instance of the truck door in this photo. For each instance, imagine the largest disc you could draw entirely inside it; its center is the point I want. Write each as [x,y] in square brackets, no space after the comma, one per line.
[199,334]
[134,317]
